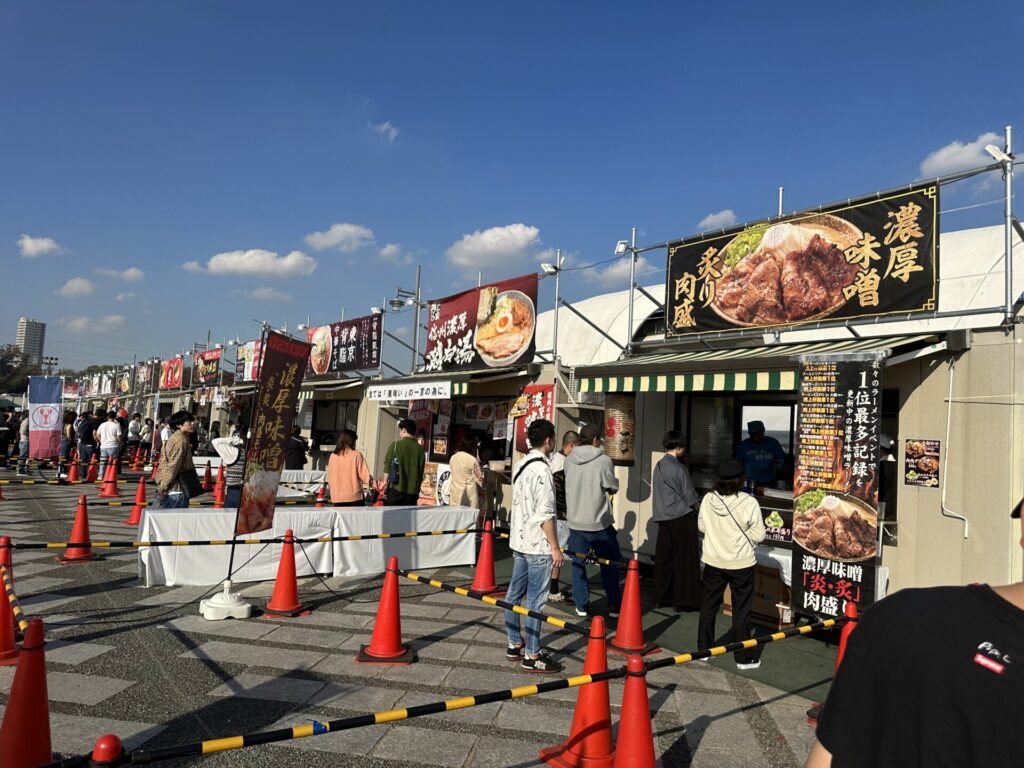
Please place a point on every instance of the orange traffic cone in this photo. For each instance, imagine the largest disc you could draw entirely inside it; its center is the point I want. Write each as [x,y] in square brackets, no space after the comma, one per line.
[108,490]
[218,488]
[483,576]
[386,642]
[93,473]
[73,472]
[629,634]
[140,504]
[136,459]
[590,739]
[320,496]
[156,463]
[79,535]
[635,746]
[8,648]
[6,558]
[207,479]
[25,733]
[284,602]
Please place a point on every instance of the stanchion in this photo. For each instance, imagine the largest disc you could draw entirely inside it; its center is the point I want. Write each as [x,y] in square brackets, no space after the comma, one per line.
[284,602]
[629,634]
[80,536]
[635,745]
[140,503]
[25,733]
[483,576]
[386,642]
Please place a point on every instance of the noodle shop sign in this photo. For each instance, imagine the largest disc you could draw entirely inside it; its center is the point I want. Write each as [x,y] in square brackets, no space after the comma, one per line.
[488,327]
[861,259]
[351,345]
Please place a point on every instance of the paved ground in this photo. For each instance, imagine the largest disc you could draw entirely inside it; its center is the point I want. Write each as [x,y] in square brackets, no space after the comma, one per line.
[143,664]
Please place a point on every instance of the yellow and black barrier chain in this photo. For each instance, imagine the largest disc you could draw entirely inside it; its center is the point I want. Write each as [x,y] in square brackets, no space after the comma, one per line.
[288,501]
[223,542]
[473,595]
[19,614]
[320,727]
[588,557]
[71,482]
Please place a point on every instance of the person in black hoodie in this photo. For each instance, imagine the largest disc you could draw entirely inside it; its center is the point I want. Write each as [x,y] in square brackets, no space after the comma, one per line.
[676,558]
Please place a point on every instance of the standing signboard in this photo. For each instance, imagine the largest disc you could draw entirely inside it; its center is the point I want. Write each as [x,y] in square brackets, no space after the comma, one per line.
[835,485]
[45,394]
[351,345]
[536,402]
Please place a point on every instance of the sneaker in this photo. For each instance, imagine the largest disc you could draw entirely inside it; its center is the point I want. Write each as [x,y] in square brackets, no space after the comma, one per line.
[514,652]
[581,614]
[748,665]
[22,474]
[557,597]
[543,663]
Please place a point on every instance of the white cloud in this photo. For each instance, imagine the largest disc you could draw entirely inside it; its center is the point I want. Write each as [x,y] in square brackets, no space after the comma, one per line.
[130,275]
[345,237]
[719,220]
[256,262]
[395,254]
[387,130]
[33,247]
[495,247]
[76,286]
[616,276]
[125,296]
[105,324]
[959,156]
[265,294]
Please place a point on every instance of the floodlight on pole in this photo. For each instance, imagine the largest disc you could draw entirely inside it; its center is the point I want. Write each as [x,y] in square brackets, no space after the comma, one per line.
[997,154]
[621,247]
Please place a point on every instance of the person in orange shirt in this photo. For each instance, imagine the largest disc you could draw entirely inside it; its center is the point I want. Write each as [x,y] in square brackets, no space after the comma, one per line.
[347,473]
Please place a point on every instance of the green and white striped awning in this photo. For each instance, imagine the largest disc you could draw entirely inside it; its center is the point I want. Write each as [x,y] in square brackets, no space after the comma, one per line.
[748,369]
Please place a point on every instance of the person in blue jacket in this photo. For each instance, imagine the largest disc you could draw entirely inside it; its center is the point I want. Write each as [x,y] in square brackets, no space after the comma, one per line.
[762,456]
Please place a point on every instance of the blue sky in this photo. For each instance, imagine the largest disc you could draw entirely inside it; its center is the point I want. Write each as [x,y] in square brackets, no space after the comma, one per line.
[144,147]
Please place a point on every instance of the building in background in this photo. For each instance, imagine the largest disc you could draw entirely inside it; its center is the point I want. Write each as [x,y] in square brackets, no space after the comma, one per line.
[31,339]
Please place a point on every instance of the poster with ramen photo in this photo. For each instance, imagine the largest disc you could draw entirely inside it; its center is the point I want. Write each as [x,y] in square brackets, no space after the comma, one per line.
[351,345]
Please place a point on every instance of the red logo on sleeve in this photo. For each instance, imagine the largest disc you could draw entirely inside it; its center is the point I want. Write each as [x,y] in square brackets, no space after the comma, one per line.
[990,664]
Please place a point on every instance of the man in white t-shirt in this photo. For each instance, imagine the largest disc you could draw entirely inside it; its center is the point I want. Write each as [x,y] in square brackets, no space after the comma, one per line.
[108,435]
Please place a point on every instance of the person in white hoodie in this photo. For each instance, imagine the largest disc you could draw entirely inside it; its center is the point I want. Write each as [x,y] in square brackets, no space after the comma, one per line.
[732,526]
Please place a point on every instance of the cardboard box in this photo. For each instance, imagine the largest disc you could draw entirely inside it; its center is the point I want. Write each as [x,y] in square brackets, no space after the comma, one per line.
[771,606]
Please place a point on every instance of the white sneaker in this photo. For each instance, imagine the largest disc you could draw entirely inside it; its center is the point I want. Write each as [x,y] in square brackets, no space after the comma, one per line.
[581,614]
[557,597]
[748,665]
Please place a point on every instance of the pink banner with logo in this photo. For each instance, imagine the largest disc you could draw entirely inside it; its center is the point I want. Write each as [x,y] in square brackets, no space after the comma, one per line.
[44,416]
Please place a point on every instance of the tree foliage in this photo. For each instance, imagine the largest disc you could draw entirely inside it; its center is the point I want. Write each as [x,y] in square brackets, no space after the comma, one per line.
[15,370]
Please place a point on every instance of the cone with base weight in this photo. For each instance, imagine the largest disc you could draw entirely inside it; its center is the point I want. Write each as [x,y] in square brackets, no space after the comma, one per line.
[590,739]
[483,576]
[109,487]
[284,602]
[25,733]
[8,648]
[635,745]
[386,642]
[135,517]
[79,535]
[629,634]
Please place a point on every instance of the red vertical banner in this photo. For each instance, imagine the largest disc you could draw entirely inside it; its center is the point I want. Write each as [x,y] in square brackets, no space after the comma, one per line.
[537,402]
[284,362]
[45,394]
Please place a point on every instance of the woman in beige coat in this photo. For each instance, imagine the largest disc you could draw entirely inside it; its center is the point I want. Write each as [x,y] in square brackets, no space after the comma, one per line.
[467,477]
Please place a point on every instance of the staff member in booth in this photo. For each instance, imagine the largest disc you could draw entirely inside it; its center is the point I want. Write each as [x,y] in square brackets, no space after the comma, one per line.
[762,456]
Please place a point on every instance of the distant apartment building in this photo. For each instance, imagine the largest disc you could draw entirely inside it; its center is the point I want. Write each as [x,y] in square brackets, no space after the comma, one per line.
[31,339]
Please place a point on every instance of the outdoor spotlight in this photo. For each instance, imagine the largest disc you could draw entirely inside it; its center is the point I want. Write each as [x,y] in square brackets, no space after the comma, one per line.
[997,154]
[621,247]
[395,304]
[549,269]
[410,302]
[218,346]
[377,310]
[301,327]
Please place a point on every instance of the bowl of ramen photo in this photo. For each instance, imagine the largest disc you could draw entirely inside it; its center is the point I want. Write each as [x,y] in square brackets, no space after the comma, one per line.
[320,354]
[505,323]
[835,525]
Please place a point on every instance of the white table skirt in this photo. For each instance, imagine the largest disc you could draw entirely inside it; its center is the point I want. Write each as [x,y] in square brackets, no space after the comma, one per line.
[303,482]
[208,565]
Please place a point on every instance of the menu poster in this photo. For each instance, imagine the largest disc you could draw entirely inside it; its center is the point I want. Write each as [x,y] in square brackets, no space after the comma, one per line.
[778,527]
[421,413]
[124,382]
[921,463]
[247,360]
[171,372]
[436,486]
[540,404]
[351,345]
[206,367]
[835,498]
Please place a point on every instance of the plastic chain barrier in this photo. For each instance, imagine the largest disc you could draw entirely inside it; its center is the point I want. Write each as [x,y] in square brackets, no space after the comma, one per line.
[318,727]
[560,623]
[589,557]
[19,614]
[288,501]
[218,542]
[119,481]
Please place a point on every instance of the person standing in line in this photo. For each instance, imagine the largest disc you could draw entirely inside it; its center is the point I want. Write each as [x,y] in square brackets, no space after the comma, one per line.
[86,438]
[15,424]
[948,699]
[164,435]
[175,459]
[403,464]
[5,436]
[732,526]
[589,479]
[145,439]
[535,549]
[67,442]
[467,476]
[122,443]
[676,552]
[23,446]
[232,452]
[134,434]
[569,441]
[109,435]
[762,457]
[348,477]
[295,453]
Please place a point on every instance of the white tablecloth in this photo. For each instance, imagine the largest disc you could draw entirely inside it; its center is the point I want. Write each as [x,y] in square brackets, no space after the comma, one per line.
[303,482]
[208,565]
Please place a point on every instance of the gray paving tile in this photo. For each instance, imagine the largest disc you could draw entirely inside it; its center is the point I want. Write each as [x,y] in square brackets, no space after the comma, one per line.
[317,638]
[357,741]
[254,655]
[358,698]
[37,584]
[491,752]
[345,665]
[76,734]
[525,715]
[40,605]
[234,628]
[249,686]
[66,652]
[331,619]
[416,628]
[180,595]
[412,610]
[31,569]
[459,615]
[431,747]
[420,673]
[443,650]
[715,722]
[72,687]
[30,554]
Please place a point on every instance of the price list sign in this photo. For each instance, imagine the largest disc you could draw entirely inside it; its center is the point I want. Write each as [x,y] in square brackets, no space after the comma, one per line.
[835,485]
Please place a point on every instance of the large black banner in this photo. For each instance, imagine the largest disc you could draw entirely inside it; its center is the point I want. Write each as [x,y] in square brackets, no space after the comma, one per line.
[351,345]
[835,484]
[866,258]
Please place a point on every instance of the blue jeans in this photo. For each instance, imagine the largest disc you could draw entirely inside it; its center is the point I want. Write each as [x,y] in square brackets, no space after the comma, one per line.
[85,453]
[531,577]
[23,456]
[107,454]
[232,497]
[604,544]
[171,501]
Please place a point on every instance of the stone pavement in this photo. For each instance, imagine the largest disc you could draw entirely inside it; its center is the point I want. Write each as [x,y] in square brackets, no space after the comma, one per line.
[143,664]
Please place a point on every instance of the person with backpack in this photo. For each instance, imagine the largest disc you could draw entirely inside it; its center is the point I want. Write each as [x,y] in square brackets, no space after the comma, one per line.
[404,466]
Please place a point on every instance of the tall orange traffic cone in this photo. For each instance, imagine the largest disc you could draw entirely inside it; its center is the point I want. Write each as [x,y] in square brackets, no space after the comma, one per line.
[156,463]
[386,641]
[483,576]
[6,557]
[590,739]
[8,648]
[79,535]
[25,733]
[93,472]
[284,602]
[218,488]
[635,746]
[207,479]
[320,496]
[108,490]
[73,472]
[137,459]
[140,504]
[629,633]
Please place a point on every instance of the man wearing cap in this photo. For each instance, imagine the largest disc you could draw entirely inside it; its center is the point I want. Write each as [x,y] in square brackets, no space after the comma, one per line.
[907,695]
[762,456]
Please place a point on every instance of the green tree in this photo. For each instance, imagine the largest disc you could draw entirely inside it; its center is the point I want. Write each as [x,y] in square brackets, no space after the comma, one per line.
[15,370]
